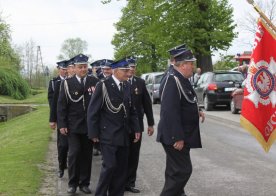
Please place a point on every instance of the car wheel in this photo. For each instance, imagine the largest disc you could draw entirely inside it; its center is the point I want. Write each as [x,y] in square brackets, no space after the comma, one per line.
[233,108]
[207,105]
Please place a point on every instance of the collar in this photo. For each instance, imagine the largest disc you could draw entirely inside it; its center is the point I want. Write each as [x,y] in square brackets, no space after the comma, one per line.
[79,79]
[131,78]
[62,78]
[181,73]
[116,81]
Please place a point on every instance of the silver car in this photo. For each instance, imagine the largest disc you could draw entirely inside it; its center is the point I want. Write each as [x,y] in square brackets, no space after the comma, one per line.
[152,84]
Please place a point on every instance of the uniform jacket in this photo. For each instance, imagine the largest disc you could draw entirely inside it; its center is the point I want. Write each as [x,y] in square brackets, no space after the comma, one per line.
[179,119]
[53,107]
[72,114]
[112,128]
[169,71]
[141,101]
[51,89]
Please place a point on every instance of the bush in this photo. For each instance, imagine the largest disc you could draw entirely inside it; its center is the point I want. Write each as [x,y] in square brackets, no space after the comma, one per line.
[12,84]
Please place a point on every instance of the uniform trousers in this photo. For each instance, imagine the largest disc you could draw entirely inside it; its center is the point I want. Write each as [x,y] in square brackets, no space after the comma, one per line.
[133,160]
[62,148]
[178,170]
[79,159]
[113,172]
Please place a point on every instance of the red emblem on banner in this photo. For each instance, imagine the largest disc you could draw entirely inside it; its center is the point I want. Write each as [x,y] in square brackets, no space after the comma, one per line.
[258,113]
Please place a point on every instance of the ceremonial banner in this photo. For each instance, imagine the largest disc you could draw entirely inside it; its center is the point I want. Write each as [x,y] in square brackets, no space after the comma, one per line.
[258,113]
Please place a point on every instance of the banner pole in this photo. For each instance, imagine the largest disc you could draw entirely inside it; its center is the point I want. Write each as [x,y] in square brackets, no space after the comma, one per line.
[262,14]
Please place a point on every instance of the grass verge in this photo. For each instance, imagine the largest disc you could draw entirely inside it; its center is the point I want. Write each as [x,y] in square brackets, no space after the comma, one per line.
[40,97]
[23,148]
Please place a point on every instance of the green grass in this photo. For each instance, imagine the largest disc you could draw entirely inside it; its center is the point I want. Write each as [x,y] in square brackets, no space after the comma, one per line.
[40,97]
[23,147]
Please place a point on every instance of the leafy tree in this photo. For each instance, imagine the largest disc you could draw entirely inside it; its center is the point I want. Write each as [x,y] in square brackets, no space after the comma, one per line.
[8,55]
[149,28]
[72,47]
[225,63]
[135,35]
[12,84]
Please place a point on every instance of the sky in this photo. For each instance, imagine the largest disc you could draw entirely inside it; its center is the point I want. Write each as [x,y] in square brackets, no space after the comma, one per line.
[49,22]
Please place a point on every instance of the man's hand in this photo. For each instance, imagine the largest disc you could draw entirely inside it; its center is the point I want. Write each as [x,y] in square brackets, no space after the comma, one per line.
[63,131]
[150,130]
[179,145]
[53,125]
[95,140]
[202,116]
[137,137]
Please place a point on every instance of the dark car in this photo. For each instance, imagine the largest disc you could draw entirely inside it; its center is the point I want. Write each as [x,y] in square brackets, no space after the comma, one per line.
[152,84]
[215,88]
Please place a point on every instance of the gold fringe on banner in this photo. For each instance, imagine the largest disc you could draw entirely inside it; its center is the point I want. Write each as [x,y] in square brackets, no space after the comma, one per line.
[256,133]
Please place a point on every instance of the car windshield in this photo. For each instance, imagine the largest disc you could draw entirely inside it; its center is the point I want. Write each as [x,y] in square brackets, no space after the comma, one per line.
[158,79]
[226,77]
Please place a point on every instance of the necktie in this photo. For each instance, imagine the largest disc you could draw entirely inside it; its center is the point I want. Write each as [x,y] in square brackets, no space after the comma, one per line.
[121,87]
[82,82]
[130,81]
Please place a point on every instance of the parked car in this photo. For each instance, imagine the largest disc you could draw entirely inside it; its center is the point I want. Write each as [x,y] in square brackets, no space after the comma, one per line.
[215,88]
[152,84]
[237,98]
[145,76]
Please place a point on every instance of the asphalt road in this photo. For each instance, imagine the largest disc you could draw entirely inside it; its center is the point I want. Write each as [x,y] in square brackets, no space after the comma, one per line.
[231,162]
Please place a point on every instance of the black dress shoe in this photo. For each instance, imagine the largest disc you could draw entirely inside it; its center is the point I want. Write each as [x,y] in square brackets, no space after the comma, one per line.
[71,190]
[85,189]
[60,173]
[131,189]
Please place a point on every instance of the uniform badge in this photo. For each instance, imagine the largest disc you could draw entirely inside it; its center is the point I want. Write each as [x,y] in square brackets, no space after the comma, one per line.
[89,91]
[136,91]
[93,89]
[76,93]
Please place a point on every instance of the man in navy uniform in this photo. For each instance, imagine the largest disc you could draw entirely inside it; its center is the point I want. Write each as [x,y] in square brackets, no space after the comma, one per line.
[173,51]
[106,71]
[70,68]
[62,142]
[62,72]
[142,102]
[96,68]
[75,94]
[178,128]
[111,116]
[106,68]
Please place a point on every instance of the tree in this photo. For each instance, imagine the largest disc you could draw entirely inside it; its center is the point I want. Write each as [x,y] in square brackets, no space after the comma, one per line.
[149,28]
[8,55]
[136,35]
[249,22]
[225,63]
[72,47]
[29,59]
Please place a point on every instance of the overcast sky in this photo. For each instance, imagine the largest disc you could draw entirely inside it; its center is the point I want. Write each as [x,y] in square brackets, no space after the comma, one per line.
[50,22]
